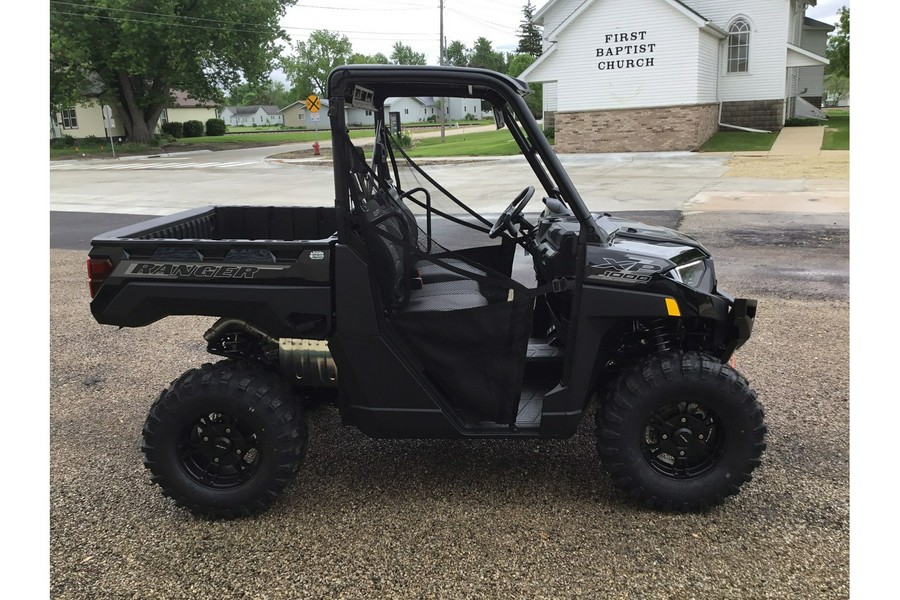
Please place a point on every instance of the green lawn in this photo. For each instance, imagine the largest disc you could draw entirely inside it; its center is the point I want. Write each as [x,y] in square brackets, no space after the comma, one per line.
[485,143]
[739,141]
[837,131]
[272,137]
[249,139]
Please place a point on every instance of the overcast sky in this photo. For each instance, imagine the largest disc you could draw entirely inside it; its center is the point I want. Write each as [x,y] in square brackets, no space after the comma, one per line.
[375,25]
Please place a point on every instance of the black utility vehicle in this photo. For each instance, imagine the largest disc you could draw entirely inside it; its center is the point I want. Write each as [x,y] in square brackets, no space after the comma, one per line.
[408,312]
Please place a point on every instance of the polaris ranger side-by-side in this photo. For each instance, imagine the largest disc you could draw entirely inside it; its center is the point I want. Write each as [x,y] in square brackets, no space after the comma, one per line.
[401,300]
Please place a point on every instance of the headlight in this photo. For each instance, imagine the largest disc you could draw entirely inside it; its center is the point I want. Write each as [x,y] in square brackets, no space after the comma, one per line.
[690,274]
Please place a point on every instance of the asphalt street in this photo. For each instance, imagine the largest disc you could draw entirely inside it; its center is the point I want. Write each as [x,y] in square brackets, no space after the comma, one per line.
[459,519]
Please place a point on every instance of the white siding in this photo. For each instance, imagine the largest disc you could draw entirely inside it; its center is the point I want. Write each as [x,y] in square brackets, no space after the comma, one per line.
[549,97]
[358,116]
[671,42]
[411,111]
[770,24]
[558,14]
[812,78]
[708,74]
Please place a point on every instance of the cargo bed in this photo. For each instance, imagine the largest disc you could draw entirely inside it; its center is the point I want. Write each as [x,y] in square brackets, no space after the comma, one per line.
[270,265]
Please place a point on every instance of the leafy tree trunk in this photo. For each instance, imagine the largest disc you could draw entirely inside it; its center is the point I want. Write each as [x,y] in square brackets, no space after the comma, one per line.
[140,123]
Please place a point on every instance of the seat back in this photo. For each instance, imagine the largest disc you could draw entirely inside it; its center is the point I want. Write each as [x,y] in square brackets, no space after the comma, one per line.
[388,234]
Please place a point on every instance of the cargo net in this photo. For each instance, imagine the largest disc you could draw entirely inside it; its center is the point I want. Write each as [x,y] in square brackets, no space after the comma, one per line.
[453,301]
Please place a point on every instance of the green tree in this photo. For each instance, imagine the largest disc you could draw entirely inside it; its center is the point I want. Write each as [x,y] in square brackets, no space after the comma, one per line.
[268,93]
[404,55]
[133,53]
[529,33]
[308,67]
[836,88]
[838,52]
[358,58]
[484,57]
[456,54]
[535,100]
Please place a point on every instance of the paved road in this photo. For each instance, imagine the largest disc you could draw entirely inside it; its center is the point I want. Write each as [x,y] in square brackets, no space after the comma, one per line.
[607,182]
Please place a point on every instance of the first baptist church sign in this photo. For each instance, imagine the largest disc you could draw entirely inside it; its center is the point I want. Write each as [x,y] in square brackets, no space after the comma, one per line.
[626,55]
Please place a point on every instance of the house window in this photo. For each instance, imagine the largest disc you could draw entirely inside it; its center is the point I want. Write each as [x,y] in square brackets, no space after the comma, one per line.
[69,120]
[405,111]
[302,116]
[164,116]
[739,46]
[368,113]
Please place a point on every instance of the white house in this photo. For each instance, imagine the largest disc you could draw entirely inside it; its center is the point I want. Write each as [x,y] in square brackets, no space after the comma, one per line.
[251,116]
[649,75]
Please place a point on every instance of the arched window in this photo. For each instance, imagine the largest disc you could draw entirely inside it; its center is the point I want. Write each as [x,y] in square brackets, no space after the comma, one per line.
[739,46]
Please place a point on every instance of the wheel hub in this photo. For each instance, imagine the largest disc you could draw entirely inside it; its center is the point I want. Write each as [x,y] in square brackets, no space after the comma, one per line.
[219,451]
[221,445]
[682,439]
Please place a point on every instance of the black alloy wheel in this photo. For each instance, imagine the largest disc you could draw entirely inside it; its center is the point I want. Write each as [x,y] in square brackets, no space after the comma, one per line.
[224,440]
[682,440]
[219,451]
[680,431]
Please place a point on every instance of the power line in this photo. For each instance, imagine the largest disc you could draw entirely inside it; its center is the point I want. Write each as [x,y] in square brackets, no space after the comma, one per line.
[491,24]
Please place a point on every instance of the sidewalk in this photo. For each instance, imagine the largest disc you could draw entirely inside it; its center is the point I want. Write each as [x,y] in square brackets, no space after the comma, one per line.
[798,141]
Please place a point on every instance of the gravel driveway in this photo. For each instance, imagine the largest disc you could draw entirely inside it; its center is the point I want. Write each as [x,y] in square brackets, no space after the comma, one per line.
[447,519]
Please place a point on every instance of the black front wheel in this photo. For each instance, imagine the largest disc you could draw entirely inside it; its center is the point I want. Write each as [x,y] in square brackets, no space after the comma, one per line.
[224,440]
[680,431]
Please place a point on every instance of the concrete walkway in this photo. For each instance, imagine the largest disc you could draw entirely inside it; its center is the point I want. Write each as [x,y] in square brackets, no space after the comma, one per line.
[798,141]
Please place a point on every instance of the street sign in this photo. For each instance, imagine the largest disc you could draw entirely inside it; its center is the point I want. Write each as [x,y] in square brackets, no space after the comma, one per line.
[313,104]
[314,117]
[108,124]
[108,121]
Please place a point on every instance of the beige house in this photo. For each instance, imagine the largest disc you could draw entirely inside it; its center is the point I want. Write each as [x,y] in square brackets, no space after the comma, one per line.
[296,116]
[184,109]
[84,120]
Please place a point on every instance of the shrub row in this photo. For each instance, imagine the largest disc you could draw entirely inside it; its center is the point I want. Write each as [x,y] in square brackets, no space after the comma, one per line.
[194,128]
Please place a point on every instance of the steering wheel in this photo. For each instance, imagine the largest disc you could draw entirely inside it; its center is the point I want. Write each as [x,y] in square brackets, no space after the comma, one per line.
[509,215]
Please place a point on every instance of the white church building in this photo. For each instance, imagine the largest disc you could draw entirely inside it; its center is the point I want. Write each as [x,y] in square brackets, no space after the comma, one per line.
[654,75]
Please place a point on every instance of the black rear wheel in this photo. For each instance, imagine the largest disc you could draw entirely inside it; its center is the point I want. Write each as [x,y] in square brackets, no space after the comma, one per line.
[224,440]
[680,431]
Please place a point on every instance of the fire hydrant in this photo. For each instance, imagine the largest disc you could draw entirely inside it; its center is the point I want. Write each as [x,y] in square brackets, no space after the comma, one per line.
[316,148]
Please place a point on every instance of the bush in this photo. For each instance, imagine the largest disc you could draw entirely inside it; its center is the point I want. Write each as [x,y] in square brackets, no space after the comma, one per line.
[470,117]
[66,141]
[404,139]
[550,134]
[798,122]
[91,141]
[432,119]
[163,139]
[193,129]
[215,127]
[173,128]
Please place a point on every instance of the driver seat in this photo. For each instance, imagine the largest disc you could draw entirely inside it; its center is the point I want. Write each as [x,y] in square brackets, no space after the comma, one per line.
[394,270]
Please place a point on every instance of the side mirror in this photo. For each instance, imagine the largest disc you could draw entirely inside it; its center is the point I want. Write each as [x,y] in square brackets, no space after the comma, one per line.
[499,121]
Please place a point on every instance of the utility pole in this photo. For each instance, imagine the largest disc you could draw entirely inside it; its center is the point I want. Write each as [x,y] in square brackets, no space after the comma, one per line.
[441,62]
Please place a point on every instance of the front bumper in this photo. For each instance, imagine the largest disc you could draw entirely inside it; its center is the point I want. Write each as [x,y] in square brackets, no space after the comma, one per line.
[741,317]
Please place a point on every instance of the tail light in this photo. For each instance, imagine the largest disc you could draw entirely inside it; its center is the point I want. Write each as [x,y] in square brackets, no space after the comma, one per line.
[98,270]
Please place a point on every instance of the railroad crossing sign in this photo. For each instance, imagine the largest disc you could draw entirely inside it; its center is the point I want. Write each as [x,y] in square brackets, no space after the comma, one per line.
[313,104]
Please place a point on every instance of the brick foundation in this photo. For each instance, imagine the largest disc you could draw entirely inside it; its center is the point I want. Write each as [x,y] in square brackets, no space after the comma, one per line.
[757,114]
[636,130]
